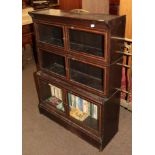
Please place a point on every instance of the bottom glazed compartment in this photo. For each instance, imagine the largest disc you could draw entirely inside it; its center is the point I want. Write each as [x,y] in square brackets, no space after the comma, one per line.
[51,95]
[73,127]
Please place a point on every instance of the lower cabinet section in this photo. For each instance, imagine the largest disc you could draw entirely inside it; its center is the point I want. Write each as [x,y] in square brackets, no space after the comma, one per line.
[96,122]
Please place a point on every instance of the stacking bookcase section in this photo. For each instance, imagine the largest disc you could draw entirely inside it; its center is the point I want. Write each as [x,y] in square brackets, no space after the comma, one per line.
[51,34]
[51,96]
[83,111]
[51,62]
[86,41]
[79,71]
[87,75]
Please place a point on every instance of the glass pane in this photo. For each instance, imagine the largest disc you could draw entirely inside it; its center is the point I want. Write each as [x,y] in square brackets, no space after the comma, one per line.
[51,34]
[51,95]
[53,62]
[83,111]
[87,42]
[87,74]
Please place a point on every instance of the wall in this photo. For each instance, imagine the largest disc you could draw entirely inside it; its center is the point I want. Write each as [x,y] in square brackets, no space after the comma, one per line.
[96,6]
[126,9]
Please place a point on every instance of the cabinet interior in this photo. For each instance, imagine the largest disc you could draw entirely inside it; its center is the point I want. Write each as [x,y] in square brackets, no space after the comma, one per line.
[51,34]
[87,74]
[53,62]
[86,42]
[83,111]
[51,95]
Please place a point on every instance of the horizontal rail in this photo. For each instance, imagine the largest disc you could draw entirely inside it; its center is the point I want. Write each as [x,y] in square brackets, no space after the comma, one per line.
[127,66]
[126,53]
[124,91]
[124,39]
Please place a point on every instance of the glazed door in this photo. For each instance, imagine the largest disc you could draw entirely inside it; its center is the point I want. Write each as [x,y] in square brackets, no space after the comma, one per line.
[51,62]
[83,111]
[88,75]
[51,96]
[89,42]
[51,34]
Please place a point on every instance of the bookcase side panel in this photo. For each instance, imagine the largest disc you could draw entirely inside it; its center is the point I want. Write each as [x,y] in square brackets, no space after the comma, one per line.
[116,38]
[117,32]
[110,118]
[115,76]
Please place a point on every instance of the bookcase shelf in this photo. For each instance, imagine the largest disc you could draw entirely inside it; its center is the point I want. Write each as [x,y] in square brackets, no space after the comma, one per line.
[86,49]
[78,77]
[86,79]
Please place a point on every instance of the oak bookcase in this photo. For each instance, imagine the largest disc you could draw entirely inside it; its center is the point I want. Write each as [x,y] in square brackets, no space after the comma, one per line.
[79,71]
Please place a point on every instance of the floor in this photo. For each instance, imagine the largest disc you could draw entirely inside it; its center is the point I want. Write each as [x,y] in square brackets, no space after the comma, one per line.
[41,136]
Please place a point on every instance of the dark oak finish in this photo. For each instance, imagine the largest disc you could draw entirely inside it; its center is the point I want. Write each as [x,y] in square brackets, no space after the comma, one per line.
[78,53]
[114,7]
[69,5]
[27,34]
[41,4]
[28,37]
[24,4]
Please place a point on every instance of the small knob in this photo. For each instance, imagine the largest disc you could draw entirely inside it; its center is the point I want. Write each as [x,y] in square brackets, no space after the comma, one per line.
[92,25]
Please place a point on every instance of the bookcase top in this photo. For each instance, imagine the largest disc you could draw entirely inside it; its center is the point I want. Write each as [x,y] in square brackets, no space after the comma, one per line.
[68,14]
